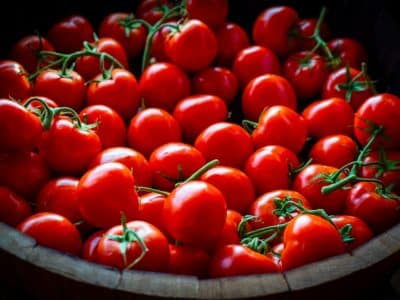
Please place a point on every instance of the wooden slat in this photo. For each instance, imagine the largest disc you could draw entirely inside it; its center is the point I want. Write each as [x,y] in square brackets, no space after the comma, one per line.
[15,242]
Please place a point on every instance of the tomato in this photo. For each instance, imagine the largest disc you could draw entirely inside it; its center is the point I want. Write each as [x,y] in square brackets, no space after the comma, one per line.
[217,81]
[254,61]
[157,50]
[60,196]
[306,29]
[234,184]
[278,89]
[174,162]
[151,10]
[106,191]
[360,233]
[309,238]
[368,203]
[151,207]
[25,51]
[195,113]
[89,248]
[53,231]
[36,106]
[193,47]
[132,159]
[349,85]
[350,51]
[14,80]
[211,12]
[145,128]
[119,26]
[306,72]
[172,85]
[66,89]
[19,128]
[14,208]
[334,150]
[230,234]
[235,260]
[379,110]
[227,142]
[67,149]
[280,125]
[276,28]
[309,183]
[89,66]
[231,38]
[188,206]
[185,260]
[68,34]
[319,115]
[156,258]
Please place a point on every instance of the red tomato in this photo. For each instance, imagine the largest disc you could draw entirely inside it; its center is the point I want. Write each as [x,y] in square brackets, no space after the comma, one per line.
[172,85]
[119,26]
[216,81]
[309,183]
[306,29]
[110,128]
[186,209]
[14,208]
[195,113]
[67,89]
[151,128]
[157,50]
[230,234]
[36,106]
[19,128]
[14,81]
[69,34]
[106,191]
[309,238]
[319,116]
[231,38]
[151,207]
[280,125]
[254,61]
[379,110]
[234,184]
[155,259]
[289,157]
[227,142]
[334,150]
[25,51]
[278,89]
[151,10]
[53,231]
[89,248]
[350,51]
[276,28]
[174,162]
[211,12]
[374,208]
[60,196]
[193,47]
[235,260]
[187,260]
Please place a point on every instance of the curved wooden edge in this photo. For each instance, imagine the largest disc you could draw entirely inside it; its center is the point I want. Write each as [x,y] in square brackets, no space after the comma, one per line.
[189,287]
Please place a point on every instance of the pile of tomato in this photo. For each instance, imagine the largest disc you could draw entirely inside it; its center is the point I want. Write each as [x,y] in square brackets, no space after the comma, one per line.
[223,152]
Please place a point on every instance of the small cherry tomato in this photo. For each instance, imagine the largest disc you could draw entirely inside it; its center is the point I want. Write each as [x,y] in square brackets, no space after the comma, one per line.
[350,51]
[89,248]
[14,209]
[186,260]
[151,207]
[151,10]
[14,81]
[230,234]
[211,12]
[306,29]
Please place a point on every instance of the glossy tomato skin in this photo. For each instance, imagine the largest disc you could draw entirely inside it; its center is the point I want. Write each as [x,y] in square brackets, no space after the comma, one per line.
[380,110]
[211,12]
[185,260]
[14,81]
[157,50]
[23,137]
[230,234]
[89,248]
[350,51]
[195,113]
[193,47]
[235,260]
[280,125]
[53,231]
[185,210]
[151,207]
[278,89]
[14,209]
[227,142]
[306,29]
[104,192]
[150,10]
[308,238]
[172,85]
[156,258]
[275,28]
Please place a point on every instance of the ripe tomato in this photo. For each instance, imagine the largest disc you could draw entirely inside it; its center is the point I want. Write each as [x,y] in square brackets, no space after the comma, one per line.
[186,260]
[151,207]
[145,128]
[350,51]
[227,142]
[89,248]
[151,10]
[211,12]
[193,47]
[230,234]
[278,89]
[195,113]
[14,81]
[53,231]
[185,210]
[306,29]
[157,51]
[308,238]
[14,209]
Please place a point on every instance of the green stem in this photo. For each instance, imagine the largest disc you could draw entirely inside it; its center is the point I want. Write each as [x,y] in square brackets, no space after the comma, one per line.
[199,172]
[47,116]
[151,190]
